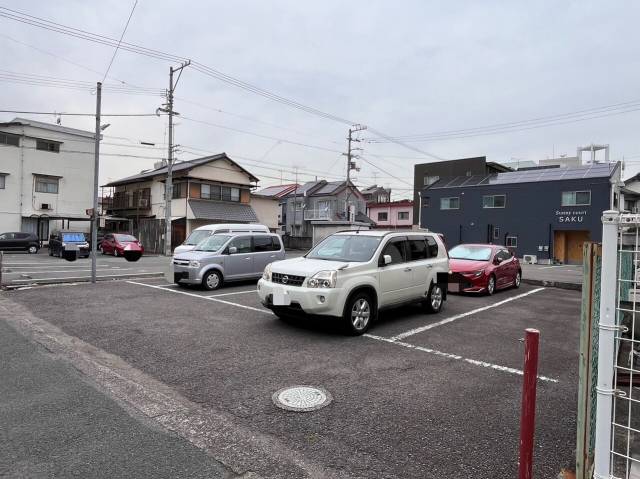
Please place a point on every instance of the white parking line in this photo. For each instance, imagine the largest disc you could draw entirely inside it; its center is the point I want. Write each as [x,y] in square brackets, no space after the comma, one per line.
[230,294]
[456,357]
[32,280]
[549,267]
[103,270]
[451,319]
[209,298]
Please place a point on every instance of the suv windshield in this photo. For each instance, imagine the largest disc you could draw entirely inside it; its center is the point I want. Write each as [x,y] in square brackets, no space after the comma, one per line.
[196,236]
[74,237]
[356,247]
[474,253]
[212,243]
[125,238]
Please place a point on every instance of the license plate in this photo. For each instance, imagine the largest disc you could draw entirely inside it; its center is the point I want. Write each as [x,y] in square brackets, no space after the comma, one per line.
[281,298]
[454,287]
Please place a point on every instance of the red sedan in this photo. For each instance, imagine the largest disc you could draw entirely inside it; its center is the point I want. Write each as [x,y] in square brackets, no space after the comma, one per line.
[482,268]
[118,244]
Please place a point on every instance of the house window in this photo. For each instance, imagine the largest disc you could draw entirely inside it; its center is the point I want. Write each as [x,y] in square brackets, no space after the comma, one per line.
[494,201]
[511,242]
[9,139]
[452,203]
[205,192]
[51,146]
[179,190]
[2,182]
[426,201]
[298,205]
[576,198]
[235,194]
[46,185]
[403,215]
[383,216]
[496,233]
[429,180]
[215,192]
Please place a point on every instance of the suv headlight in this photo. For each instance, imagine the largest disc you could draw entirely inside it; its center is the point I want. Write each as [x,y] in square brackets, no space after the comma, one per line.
[194,264]
[266,275]
[323,279]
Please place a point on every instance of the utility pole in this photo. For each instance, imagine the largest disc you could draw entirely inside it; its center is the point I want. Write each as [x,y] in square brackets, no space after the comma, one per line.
[96,170]
[295,204]
[168,190]
[350,164]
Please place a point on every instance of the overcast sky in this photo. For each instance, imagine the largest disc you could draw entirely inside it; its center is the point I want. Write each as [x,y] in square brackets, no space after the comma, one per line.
[404,68]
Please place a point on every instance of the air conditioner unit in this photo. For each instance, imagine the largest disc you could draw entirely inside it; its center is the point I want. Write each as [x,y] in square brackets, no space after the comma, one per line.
[46,206]
[530,259]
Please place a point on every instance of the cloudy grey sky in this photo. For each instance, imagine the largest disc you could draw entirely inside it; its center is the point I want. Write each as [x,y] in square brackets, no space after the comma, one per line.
[404,68]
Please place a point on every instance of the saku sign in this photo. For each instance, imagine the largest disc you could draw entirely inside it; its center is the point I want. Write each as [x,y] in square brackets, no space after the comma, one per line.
[570,216]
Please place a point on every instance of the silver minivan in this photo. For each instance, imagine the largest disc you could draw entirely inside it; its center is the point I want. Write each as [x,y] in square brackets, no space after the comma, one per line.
[227,257]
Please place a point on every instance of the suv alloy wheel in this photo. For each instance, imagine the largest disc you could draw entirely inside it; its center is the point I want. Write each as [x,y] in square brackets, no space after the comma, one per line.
[359,313]
[435,298]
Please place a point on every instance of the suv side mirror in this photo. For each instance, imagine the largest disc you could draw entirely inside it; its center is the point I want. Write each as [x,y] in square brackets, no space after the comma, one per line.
[387,259]
[233,250]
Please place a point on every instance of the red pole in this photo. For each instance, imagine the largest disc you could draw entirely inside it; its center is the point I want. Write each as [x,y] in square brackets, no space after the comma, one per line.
[528,414]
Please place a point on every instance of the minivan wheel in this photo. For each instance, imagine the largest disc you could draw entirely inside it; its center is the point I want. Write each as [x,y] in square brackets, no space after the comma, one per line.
[359,313]
[212,280]
[33,249]
[435,298]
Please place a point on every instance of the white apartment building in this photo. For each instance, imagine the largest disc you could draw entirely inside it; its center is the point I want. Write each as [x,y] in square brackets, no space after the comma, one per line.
[46,177]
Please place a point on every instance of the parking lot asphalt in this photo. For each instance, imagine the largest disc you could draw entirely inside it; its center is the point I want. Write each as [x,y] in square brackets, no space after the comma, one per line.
[558,273]
[25,269]
[426,396]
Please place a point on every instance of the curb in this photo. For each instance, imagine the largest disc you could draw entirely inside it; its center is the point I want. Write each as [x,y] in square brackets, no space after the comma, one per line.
[79,279]
[554,284]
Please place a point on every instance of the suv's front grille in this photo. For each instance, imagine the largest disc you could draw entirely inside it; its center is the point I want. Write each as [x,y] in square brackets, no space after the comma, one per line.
[288,279]
[181,262]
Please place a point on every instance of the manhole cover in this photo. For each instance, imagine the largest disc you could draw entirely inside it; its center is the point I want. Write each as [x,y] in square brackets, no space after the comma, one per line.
[302,398]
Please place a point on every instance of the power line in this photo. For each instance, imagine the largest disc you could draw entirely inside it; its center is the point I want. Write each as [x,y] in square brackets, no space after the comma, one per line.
[550,120]
[204,69]
[267,137]
[74,114]
[120,41]
[71,62]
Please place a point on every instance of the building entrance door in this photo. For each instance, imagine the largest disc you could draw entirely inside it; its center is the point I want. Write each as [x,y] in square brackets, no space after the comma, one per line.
[567,245]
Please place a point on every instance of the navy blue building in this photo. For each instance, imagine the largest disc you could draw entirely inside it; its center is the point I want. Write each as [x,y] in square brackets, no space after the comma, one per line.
[546,212]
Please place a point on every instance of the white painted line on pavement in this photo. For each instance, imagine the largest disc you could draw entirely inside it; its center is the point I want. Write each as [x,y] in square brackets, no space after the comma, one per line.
[549,267]
[230,294]
[456,357]
[47,271]
[32,280]
[209,298]
[451,319]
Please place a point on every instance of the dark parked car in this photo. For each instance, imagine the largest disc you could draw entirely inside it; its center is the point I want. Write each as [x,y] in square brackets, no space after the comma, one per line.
[62,242]
[19,242]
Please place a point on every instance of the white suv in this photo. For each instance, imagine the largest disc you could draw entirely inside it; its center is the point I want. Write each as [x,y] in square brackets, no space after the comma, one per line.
[353,274]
